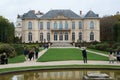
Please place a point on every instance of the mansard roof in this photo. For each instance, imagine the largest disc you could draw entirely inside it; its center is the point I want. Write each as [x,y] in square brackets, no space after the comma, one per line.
[67,13]
[30,15]
[91,14]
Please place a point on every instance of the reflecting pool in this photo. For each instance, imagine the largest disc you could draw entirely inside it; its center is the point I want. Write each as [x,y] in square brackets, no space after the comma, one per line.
[69,74]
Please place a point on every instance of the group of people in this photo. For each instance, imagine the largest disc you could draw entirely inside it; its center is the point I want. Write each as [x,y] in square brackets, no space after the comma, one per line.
[3,58]
[112,54]
[31,54]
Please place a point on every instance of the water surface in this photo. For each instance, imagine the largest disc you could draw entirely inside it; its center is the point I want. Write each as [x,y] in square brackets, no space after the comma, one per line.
[71,74]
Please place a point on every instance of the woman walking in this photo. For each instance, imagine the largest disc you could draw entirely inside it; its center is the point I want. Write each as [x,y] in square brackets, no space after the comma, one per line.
[111,57]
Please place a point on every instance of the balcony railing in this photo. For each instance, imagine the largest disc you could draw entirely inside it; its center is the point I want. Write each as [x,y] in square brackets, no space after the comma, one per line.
[60,29]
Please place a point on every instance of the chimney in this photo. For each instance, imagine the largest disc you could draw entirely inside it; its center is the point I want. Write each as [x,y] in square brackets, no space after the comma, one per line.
[38,12]
[80,12]
[33,11]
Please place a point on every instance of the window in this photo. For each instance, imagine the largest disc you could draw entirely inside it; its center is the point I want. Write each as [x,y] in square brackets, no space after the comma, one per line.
[80,25]
[41,37]
[60,25]
[61,36]
[55,36]
[91,36]
[48,37]
[73,36]
[29,36]
[41,25]
[29,25]
[48,25]
[73,25]
[55,25]
[66,25]
[66,36]
[18,24]
[80,36]
[91,25]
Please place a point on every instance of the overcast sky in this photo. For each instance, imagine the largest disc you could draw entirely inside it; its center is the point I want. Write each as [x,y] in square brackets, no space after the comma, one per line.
[10,8]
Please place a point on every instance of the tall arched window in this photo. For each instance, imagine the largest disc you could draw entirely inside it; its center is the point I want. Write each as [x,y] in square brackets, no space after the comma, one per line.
[55,36]
[41,37]
[60,25]
[80,25]
[66,36]
[92,36]
[73,36]
[48,37]
[73,25]
[29,36]
[80,36]
[66,25]
[91,25]
[41,25]
[29,25]
[61,36]
[48,25]
[55,25]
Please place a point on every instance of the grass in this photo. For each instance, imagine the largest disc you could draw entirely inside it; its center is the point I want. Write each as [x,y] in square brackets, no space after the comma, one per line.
[62,54]
[17,59]
[59,67]
[104,52]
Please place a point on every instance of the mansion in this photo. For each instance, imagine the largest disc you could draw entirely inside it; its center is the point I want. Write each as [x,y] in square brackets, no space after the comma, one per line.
[58,26]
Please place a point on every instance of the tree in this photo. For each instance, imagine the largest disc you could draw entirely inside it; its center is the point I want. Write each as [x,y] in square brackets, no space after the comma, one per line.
[106,27]
[116,29]
[6,30]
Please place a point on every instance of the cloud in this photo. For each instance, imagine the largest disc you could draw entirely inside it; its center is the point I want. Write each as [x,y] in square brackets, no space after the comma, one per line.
[10,8]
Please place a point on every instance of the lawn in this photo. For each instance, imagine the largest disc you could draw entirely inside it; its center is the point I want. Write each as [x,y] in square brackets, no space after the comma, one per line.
[62,54]
[17,59]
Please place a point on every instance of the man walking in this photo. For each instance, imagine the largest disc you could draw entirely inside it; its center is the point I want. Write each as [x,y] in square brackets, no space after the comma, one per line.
[84,54]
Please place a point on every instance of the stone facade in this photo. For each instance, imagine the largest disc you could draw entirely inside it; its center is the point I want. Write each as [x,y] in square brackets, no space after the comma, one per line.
[59,26]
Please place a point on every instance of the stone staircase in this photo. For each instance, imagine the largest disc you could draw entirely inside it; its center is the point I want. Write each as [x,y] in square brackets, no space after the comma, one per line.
[61,44]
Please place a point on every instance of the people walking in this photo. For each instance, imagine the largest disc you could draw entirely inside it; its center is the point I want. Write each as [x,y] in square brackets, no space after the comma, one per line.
[26,51]
[111,57]
[36,52]
[31,54]
[118,56]
[84,54]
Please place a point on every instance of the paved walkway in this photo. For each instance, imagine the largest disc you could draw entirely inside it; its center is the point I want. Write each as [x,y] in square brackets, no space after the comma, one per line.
[56,63]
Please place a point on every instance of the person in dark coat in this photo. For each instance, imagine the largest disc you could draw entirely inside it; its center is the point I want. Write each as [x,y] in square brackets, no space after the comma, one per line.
[26,51]
[36,52]
[4,59]
[31,54]
[118,56]
[84,54]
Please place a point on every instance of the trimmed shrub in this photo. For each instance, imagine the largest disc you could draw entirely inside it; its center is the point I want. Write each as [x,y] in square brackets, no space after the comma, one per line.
[91,46]
[115,46]
[10,51]
[102,46]
[18,48]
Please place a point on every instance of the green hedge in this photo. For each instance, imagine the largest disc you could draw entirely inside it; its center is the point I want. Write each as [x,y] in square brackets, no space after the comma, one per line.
[8,49]
[18,48]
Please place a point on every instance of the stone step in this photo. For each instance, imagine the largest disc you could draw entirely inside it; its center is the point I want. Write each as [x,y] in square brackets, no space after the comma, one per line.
[61,44]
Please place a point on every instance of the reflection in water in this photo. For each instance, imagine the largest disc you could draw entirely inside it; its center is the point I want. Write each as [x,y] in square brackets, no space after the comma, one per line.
[57,75]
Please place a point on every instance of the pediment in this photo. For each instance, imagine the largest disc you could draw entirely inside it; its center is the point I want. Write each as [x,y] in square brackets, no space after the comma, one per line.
[60,17]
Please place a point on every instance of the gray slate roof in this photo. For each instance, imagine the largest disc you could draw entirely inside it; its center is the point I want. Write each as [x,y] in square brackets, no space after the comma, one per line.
[67,13]
[29,15]
[91,14]
[53,13]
